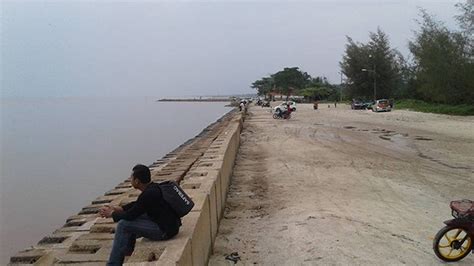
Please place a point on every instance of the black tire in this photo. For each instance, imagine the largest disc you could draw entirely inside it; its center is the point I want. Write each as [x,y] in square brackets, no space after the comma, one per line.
[275,116]
[439,236]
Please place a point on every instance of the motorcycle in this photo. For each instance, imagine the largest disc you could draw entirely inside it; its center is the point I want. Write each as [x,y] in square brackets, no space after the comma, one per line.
[282,115]
[455,241]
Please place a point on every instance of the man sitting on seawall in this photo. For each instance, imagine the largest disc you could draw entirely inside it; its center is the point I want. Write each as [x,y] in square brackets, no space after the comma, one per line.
[149,216]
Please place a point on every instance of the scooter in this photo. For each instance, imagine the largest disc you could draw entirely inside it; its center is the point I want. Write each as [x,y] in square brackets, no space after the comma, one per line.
[455,241]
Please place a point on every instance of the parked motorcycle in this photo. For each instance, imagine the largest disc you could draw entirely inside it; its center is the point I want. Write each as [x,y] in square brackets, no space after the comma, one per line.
[455,241]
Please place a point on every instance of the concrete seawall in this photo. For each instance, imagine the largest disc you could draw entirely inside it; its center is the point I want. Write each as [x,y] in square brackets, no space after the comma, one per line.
[203,167]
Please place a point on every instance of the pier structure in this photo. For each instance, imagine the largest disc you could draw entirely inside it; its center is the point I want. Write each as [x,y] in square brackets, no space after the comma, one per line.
[202,166]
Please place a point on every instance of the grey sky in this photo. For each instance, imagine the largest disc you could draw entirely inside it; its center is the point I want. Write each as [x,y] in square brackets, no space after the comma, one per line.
[92,48]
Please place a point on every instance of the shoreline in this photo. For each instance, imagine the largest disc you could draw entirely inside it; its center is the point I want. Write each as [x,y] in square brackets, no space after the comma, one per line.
[84,235]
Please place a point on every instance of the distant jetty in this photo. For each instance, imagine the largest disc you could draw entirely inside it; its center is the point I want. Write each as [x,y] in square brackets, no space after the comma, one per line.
[227,99]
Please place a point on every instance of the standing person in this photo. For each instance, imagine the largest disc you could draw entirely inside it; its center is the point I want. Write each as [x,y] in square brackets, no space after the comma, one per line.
[288,110]
[335,104]
[149,216]
[242,106]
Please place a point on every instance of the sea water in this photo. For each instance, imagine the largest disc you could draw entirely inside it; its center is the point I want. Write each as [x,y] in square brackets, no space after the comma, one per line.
[57,155]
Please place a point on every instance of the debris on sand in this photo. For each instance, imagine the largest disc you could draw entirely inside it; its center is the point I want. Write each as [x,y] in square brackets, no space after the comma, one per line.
[234,257]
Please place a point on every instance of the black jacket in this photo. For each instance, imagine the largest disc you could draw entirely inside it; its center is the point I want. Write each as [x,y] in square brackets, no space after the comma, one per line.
[151,202]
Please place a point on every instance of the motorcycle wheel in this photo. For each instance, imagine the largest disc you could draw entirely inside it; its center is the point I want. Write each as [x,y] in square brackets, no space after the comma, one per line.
[275,116]
[446,244]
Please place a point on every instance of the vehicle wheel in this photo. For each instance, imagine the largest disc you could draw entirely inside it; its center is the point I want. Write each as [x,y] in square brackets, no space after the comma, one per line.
[275,116]
[446,244]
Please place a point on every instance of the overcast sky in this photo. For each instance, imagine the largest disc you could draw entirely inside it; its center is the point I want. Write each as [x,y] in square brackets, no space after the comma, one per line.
[107,48]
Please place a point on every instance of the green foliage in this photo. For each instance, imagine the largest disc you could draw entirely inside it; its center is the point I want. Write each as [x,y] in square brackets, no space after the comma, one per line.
[382,65]
[264,86]
[316,93]
[466,22]
[443,69]
[421,106]
[290,79]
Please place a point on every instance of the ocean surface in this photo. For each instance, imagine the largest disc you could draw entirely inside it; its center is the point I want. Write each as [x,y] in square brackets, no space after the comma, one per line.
[57,155]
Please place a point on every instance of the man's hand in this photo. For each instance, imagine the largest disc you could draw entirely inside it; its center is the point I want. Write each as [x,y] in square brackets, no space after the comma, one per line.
[106,211]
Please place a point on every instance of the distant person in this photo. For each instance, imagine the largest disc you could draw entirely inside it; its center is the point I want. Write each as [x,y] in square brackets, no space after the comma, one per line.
[242,106]
[149,216]
[335,104]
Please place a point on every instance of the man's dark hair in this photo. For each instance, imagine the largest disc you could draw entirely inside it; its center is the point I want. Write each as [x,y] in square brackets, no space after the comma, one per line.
[142,173]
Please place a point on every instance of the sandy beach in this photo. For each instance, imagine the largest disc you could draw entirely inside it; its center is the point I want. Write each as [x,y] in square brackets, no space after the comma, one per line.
[339,186]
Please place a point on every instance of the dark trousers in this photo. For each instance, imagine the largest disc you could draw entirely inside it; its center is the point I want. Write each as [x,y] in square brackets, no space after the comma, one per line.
[127,232]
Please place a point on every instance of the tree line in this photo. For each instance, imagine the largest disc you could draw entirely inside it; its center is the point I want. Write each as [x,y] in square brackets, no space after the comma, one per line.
[440,68]
[293,81]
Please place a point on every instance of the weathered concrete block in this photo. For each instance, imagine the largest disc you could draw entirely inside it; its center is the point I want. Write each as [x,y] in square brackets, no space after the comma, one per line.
[60,240]
[200,199]
[212,157]
[208,187]
[101,255]
[198,175]
[81,216]
[147,251]
[88,246]
[90,221]
[31,257]
[104,199]
[96,236]
[103,228]
[116,191]
[201,235]
[178,252]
